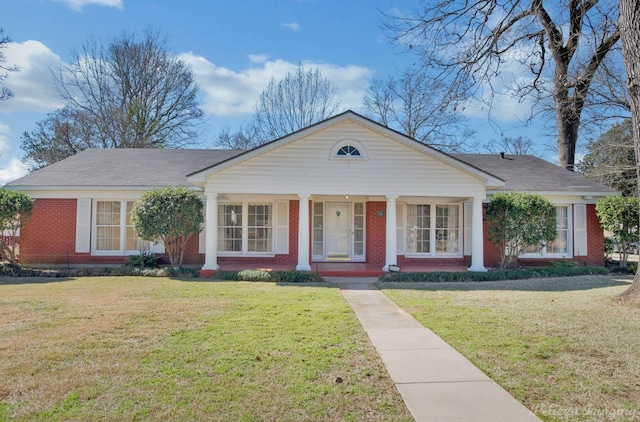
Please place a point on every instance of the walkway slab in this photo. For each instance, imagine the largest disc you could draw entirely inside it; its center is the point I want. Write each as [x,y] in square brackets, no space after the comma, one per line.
[436,382]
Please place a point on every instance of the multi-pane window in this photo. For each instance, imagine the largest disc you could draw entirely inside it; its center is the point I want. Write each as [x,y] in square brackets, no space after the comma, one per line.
[114,228]
[432,229]
[318,231]
[561,243]
[418,228]
[358,229]
[108,225]
[260,229]
[246,228]
[447,228]
[133,242]
[230,228]
[348,151]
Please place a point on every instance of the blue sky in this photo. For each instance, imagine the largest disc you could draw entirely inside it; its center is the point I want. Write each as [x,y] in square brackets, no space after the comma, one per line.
[234,47]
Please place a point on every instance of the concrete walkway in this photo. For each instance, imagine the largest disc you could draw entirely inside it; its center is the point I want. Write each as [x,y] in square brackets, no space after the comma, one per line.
[436,382]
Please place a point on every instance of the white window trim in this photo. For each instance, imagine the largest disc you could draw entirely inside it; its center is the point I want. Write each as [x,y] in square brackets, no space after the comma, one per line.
[245,229]
[432,233]
[543,251]
[123,230]
[348,142]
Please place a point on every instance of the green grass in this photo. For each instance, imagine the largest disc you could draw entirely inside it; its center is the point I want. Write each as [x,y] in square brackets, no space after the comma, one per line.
[136,348]
[563,347]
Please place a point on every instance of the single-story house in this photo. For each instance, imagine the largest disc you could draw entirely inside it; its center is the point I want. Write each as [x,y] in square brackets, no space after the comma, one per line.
[346,190]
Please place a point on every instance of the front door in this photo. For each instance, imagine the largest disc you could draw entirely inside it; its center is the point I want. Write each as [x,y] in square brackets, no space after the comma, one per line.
[338,231]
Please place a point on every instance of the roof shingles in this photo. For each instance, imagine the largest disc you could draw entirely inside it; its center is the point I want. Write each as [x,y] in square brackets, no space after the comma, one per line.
[126,168]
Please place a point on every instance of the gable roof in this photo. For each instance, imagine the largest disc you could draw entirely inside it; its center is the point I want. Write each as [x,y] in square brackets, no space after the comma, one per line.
[198,177]
[526,173]
[130,168]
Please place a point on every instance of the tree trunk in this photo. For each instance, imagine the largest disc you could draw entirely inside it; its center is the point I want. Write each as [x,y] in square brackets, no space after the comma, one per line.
[567,140]
[629,24]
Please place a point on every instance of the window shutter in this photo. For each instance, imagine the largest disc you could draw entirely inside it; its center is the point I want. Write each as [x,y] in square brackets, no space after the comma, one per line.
[282,227]
[83,226]
[202,236]
[400,242]
[202,241]
[468,218]
[579,230]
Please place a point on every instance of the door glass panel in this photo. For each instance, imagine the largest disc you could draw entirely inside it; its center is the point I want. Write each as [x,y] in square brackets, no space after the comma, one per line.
[318,230]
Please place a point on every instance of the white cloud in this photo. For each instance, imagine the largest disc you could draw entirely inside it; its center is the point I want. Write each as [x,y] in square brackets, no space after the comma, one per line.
[294,26]
[14,170]
[232,93]
[32,85]
[257,58]
[77,5]
[4,141]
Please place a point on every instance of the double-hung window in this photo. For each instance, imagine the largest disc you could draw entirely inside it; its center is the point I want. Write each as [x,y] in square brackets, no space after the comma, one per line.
[432,229]
[245,228]
[114,231]
[560,245]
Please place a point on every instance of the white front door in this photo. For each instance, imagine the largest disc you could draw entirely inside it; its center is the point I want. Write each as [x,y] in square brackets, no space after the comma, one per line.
[338,231]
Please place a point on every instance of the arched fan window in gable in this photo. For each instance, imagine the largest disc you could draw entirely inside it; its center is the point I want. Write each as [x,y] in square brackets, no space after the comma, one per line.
[348,151]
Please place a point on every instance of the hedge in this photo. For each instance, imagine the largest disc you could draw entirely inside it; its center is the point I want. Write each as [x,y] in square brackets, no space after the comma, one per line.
[495,275]
[262,275]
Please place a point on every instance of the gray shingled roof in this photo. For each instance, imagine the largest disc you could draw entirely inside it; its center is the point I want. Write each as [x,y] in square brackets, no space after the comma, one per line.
[125,167]
[166,167]
[533,174]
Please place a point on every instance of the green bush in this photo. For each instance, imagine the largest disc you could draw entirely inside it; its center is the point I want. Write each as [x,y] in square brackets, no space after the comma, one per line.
[146,259]
[297,277]
[261,275]
[496,275]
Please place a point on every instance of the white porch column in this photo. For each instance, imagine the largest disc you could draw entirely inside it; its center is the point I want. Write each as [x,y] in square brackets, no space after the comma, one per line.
[211,233]
[391,255]
[477,237]
[303,233]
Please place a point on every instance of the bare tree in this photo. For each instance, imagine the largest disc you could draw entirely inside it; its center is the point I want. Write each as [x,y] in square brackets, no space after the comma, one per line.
[513,146]
[469,43]
[300,99]
[63,133]
[611,159]
[629,25]
[419,107]
[5,93]
[126,93]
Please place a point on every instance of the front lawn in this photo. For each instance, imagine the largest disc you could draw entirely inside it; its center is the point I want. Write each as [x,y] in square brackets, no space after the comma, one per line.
[563,347]
[160,349]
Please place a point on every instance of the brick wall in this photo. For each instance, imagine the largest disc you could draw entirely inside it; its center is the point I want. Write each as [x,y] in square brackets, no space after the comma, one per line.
[595,246]
[50,235]
[595,239]
[376,232]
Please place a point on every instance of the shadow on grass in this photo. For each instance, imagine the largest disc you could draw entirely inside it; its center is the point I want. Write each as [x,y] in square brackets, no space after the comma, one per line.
[8,280]
[560,284]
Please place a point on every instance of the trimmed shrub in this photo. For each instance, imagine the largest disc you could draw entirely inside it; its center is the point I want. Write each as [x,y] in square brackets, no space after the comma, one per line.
[297,277]
[261,275]
[496,275]
[146,259]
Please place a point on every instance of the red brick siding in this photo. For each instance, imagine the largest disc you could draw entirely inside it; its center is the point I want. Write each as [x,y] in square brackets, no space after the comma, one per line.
[50,235]
[376,232]
[595,239]
[595,246]
[50,238]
